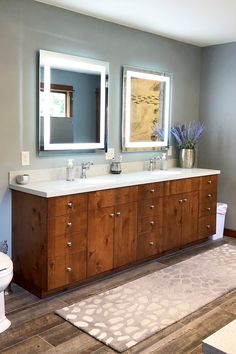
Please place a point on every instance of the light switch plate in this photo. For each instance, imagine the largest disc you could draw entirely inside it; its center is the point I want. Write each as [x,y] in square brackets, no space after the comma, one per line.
[25,158]
[110,154]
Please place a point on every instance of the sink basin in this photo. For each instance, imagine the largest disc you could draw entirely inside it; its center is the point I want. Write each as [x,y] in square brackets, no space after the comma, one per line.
[164,172]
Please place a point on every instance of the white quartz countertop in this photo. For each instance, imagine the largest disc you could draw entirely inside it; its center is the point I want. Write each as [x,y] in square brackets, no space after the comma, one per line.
[57,188]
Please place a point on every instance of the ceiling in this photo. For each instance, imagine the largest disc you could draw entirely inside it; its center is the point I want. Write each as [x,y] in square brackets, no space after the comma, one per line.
[198,22]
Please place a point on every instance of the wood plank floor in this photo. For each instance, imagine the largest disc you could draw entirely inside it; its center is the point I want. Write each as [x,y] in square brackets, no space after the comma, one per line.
[37,329]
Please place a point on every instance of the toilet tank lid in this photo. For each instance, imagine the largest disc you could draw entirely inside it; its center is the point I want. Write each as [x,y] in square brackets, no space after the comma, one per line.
[5,261]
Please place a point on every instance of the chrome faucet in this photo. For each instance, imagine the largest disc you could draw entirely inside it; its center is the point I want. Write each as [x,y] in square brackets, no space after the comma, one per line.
[153,162]
[84,167]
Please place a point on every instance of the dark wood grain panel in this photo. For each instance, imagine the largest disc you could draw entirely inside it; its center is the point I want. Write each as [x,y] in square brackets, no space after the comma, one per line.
[150,207]
[207,226]
[111,197]
[148,244]
[208,182]
[189,218]
[125,236]
[29,237]
[100,240]
[63,245]
[150,190]
[70,204]
[67,224]
[181,186]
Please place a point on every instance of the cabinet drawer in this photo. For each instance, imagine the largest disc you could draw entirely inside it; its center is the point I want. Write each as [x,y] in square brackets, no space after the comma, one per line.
[148,245]
[67,205]
[207,226]
[208,183]
[149,224]
[207,208]
[150,190]
[152,206]
[61,225]
[181,186]
[66,270]
[207,196]
[64,245]
[112,197]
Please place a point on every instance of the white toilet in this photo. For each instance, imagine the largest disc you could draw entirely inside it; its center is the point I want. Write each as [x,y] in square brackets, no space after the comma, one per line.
[6,274]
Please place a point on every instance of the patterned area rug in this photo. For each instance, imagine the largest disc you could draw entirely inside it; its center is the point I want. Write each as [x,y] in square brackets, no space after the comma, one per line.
[128,314]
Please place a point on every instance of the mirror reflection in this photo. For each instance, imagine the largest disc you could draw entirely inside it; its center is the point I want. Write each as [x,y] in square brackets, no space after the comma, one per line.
[146,106]
[72,102]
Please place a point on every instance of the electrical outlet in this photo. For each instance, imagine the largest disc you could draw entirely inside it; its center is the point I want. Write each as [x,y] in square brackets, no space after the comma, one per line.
[169,151]
[25,158]
[110,154]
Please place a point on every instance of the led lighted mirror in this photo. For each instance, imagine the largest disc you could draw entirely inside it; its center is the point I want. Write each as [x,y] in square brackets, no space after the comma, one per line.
[72,102]
[146,109]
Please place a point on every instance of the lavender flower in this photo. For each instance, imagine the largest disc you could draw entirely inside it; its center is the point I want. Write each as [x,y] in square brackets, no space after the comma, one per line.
[187,135]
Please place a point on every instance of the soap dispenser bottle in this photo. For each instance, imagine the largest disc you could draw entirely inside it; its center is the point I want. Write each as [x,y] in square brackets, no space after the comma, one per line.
[164,162]
[70,170]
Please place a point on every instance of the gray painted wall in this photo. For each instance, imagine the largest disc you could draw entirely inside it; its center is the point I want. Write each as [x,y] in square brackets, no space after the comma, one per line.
[27,26]
[218,110]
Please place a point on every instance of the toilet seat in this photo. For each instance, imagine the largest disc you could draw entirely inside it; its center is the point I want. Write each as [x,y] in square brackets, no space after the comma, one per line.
[6,264]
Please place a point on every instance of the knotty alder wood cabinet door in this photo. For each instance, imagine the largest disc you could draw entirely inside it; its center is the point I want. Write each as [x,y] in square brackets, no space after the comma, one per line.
[180,220]
[112,229]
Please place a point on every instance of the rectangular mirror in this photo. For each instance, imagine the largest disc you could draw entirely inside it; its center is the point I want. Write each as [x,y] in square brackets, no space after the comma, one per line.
[73,100]
[146,109]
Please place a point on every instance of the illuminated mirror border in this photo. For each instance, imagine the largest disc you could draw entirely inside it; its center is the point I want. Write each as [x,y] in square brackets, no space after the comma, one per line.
[48,60]
[128,74]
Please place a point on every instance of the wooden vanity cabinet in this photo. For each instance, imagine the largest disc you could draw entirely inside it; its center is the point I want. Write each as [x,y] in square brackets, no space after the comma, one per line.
[180,213]
[60,242]
[67,240]
[150,214]
[207,206]
[49,241]
[112,235]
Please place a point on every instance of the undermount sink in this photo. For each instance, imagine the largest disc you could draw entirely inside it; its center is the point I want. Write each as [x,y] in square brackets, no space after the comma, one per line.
[165,172]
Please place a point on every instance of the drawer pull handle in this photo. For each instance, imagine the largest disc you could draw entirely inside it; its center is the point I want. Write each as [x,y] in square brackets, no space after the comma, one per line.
[208,209]
[152,206]
[209,182]
[185,200]
[209,195]
[152,222]
[69,269]
[180,200]
[152,190]
[208,226]
[69,243]
[118,213]
[69,224]
[70,205]
[112,215]
[151,243]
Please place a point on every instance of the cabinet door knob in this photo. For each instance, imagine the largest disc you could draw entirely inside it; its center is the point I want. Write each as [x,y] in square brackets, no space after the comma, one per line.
[208,226]
[151,243]
[70,204]
[152,206]
[152,190]
[185,200]
[209,182]
[69,224]
[152,222]
[118,213]
[69,269]
[209,195]
[112,215]
[208,209]
[180,200]
[69,243]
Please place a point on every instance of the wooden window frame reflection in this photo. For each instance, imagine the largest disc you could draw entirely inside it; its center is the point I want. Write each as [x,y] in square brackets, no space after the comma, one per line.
[68,91]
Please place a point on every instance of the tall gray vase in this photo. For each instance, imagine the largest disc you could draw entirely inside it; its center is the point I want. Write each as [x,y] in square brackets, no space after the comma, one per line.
[187,158]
